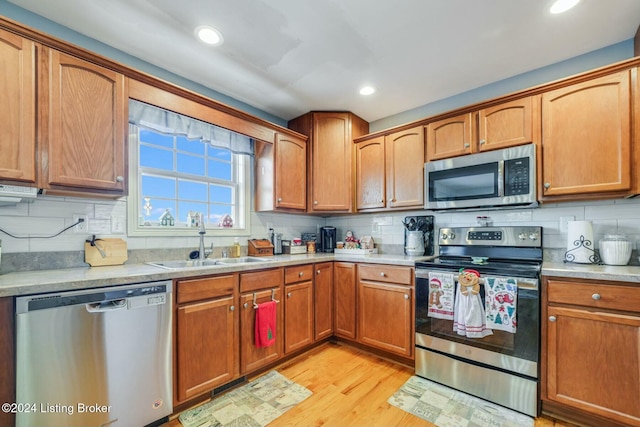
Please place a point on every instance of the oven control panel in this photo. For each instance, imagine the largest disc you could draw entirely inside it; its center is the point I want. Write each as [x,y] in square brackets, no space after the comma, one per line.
[491,236]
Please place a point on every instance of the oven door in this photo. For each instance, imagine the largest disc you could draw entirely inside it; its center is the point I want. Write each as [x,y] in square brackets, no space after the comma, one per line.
[515,352]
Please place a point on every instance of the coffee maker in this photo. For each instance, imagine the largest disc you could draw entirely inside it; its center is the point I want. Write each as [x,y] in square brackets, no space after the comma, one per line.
[327,239]
[418,235]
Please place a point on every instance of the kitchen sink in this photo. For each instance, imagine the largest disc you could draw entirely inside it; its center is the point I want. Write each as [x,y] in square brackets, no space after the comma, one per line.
[242,259]
[180,264]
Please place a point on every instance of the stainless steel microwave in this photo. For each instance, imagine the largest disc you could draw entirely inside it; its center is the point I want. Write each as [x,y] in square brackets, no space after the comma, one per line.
[492,179]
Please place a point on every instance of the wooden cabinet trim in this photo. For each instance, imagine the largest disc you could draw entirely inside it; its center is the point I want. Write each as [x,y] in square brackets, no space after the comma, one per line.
[386,273]
[262,279]
[203,288]
[299,273]
[594,295]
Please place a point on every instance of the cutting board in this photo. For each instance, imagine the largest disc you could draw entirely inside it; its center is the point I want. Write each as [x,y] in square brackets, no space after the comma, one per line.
[114,252]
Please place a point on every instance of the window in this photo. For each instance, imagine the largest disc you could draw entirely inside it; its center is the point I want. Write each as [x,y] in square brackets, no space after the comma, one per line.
[180,167]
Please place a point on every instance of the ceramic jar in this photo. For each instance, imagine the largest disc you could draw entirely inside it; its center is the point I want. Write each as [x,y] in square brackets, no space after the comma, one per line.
[615,249]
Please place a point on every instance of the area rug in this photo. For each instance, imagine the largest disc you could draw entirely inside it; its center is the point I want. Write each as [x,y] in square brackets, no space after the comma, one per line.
[446,407]
[254,404]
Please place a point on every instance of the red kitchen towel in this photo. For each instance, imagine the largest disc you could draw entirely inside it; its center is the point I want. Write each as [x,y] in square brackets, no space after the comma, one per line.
[265,330]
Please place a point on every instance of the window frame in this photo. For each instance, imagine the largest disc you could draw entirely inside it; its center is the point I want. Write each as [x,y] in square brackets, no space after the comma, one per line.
[242,173]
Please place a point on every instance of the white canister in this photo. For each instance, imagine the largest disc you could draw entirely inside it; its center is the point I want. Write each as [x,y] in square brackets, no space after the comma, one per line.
[615,249]
[415,243]
[580,245]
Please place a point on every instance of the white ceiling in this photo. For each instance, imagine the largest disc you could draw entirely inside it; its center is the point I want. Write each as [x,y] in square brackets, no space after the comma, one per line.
[287,57]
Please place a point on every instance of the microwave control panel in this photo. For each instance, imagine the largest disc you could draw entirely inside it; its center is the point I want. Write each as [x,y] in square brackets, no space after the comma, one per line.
[516,174]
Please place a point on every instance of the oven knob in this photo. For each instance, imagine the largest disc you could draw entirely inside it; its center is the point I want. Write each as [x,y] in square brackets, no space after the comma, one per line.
[444,236]
[452,236]
[522,236]
[533,236]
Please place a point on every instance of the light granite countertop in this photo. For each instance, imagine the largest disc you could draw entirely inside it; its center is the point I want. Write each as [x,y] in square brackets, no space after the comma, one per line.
[616,273]
[44,281]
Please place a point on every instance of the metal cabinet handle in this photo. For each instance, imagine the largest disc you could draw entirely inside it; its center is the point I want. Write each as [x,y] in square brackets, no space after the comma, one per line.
[301,274]
[393,200]
[120,178]
[596,297]
[245,305]
[547,185]
[466,145]
[382,274]
[315,202]
[289,295]
[232,308]
[318,272]
[279,199]
[406,296]
[552,318]
[482,142]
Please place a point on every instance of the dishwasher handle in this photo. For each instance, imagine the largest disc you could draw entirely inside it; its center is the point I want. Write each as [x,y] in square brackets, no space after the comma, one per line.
[104,306]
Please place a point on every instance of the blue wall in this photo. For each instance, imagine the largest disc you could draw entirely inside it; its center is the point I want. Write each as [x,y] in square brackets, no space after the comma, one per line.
[588,61]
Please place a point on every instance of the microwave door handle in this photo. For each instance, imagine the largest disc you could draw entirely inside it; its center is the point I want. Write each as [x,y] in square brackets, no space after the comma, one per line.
[501,178]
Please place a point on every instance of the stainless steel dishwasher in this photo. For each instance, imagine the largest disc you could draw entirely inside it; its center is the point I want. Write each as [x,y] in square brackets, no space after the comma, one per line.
[98,357]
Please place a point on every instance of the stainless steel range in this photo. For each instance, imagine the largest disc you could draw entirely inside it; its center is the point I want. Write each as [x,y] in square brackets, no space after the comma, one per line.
[478,314]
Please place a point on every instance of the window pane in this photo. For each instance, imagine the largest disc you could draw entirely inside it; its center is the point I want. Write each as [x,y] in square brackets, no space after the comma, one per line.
[185,207]
[195,146]
[216,212]
[156,138]
[154,186]
[191,164]
[152,157]
[219,170]
[220,194]
[191,190]
[219,153]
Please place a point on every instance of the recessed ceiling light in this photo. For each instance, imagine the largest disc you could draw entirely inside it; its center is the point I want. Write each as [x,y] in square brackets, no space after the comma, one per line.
[560,6]
[209,35]
[367,90]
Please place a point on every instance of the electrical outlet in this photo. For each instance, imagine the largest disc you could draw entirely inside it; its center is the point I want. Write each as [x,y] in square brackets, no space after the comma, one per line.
[83,227]
[563,222]
[117,224]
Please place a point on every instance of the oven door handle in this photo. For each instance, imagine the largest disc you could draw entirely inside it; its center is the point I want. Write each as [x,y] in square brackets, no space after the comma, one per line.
[523,282]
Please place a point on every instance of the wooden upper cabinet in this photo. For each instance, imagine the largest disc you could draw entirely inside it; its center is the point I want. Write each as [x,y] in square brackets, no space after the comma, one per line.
[450,137]
[83,114]
[281,174]
[17,108]
[370,174]
[586,137]
[508,124]
[331,158]
[404,154]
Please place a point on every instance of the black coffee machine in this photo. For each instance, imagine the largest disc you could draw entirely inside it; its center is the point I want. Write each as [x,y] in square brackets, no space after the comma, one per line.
[327,239]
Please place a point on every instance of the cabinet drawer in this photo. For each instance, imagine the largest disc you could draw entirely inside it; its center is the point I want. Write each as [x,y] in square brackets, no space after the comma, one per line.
[260,280]
[386,273]
[209,287]
[597,295]
[298,273]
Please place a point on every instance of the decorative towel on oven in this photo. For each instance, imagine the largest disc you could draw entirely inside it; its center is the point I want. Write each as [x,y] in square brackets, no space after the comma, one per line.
[501,295]
[469,315]
[265,327]
[441,295]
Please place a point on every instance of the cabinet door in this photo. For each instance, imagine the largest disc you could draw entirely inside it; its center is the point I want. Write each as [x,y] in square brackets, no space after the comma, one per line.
[370,176]
[344,282]
[506,125]
[252,357]
[404,154]
[586,137]
[323,300]
[331,162]
[298,316]
[17,103]
[206,346]
[83,118]
[593,362]
[385,313]
[450,137]
[291,173]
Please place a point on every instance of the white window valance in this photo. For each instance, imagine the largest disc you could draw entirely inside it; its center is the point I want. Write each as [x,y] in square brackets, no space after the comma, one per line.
[170,123]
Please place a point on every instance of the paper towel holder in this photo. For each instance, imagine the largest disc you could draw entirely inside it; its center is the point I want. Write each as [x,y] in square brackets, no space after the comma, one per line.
[580,244]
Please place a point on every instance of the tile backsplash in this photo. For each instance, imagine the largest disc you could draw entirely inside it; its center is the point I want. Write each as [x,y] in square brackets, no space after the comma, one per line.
[48,215]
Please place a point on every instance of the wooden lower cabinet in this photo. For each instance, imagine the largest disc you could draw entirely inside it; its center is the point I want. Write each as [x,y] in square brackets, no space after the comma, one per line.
[591,350]
[385,308]
[323,300]
[206,335]
[344,303]
[298,308]
[252,357]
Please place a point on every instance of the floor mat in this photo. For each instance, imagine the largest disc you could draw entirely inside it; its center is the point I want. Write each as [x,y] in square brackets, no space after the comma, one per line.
[446,407]
[254,404]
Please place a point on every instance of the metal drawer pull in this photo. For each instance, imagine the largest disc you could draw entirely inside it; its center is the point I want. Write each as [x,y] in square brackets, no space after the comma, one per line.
[596,297]
[232,308]
[289,295]
[318,272]
[245,305]
[406,296]
[552,318]
[301,274]
[382,274]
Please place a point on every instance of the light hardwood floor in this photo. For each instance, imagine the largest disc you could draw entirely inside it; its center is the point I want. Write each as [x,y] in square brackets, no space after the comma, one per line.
[350,388]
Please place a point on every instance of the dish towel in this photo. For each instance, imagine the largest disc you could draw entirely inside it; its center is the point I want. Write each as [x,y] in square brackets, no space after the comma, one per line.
[441,295]
[501,302]
[469,316]
[265,328]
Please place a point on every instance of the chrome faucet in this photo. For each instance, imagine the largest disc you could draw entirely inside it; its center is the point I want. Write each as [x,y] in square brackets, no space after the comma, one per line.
[202,252]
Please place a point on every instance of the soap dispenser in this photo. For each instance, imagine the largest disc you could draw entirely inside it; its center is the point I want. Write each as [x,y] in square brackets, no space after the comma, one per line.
[235,251]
